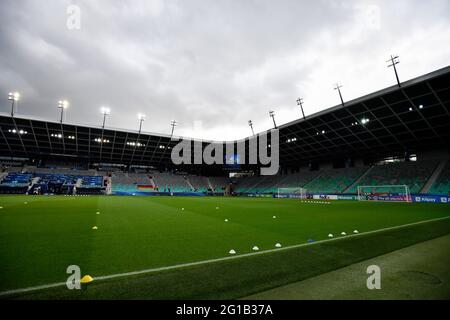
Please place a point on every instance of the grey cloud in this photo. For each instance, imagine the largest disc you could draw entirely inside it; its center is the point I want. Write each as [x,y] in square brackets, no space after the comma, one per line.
[220,62]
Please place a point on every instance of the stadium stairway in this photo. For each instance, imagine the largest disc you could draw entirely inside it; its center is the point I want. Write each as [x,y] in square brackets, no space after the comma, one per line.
[189,183]
[354,184]
[210,187]
[33,182]
[2,175]
[437,172]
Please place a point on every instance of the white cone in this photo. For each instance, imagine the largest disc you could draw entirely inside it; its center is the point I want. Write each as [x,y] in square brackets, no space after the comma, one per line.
[255,248]
[274,217]
[226,220]
[356,231]
[217,208]
[94,228]
[330,235]
[97,212]
[343,234]
[182,209]
[278,245]
[232,251]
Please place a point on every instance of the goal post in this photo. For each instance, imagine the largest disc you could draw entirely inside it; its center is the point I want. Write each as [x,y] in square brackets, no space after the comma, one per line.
[296,193]
[396,193]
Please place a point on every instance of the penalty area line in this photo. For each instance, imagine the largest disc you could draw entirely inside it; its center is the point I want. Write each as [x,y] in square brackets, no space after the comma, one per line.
[190,264]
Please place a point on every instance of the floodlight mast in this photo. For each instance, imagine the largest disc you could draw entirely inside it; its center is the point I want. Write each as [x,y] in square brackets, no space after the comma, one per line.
[338,88]
[105,111]
[272,115]
[250,123]
[141,118]
[393,61]
[13,97]
[173,124]
[300,104]
[62,104]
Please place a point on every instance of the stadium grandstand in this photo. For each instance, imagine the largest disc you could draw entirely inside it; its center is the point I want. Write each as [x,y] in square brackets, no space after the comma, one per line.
[396,136]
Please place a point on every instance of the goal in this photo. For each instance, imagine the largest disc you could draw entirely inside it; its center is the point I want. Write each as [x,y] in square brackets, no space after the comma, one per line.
[398,193]
[296,193]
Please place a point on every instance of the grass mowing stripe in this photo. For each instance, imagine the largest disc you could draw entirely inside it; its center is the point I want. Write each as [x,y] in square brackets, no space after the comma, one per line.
[191,264]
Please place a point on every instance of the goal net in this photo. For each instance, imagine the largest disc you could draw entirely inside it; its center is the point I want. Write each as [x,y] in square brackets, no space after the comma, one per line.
[399,193]
[296,193]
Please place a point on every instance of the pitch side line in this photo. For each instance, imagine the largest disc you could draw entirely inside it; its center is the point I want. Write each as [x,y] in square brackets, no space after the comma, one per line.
[190,264]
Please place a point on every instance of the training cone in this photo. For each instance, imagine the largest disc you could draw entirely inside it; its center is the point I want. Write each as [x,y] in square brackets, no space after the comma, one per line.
[217,208]
[278,245]
[274,217]
[97,212]
[226,220]
[86,279]
[94,228]
[330,235]
[255,248]
[232,251]
[343,234]
[356,231]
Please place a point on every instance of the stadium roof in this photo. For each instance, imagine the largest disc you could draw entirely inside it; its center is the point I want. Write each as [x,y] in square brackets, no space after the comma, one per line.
[412,117]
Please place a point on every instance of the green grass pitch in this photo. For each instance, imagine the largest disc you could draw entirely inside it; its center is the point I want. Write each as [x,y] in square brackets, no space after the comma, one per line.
[41,236]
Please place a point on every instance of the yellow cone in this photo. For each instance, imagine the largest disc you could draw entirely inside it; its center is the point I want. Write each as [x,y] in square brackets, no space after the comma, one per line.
[86,279]
[94,228]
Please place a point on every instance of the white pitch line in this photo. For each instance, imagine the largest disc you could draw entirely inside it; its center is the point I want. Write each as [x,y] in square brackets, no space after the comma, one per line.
[190,264]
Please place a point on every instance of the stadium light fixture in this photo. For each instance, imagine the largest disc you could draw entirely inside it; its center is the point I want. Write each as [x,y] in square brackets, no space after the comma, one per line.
[62,104]
[364,121]
[300,104]
[13,97]
[393,60]
[421,106]
[272,115]
[250,124]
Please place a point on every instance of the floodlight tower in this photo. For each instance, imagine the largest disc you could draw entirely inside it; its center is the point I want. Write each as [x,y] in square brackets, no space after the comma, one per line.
[272,115]
[300,104]
[393,61]
[250,123]
[106,112]
[338,88]
[62,104]
[141,118]
[173,124]
[13,97]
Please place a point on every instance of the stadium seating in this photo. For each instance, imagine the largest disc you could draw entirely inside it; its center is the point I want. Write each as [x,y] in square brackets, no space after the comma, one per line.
[199,183]
[219,183]
[442,183]
[43,180]
[270,184]
[334,180]
[414,174]
[17,179]
[174,182]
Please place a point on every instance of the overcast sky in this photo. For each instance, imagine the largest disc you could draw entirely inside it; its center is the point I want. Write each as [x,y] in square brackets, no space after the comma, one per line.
[211,65]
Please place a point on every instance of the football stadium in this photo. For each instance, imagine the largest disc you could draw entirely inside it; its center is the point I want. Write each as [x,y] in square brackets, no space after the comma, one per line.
[356,181]
[348,202]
